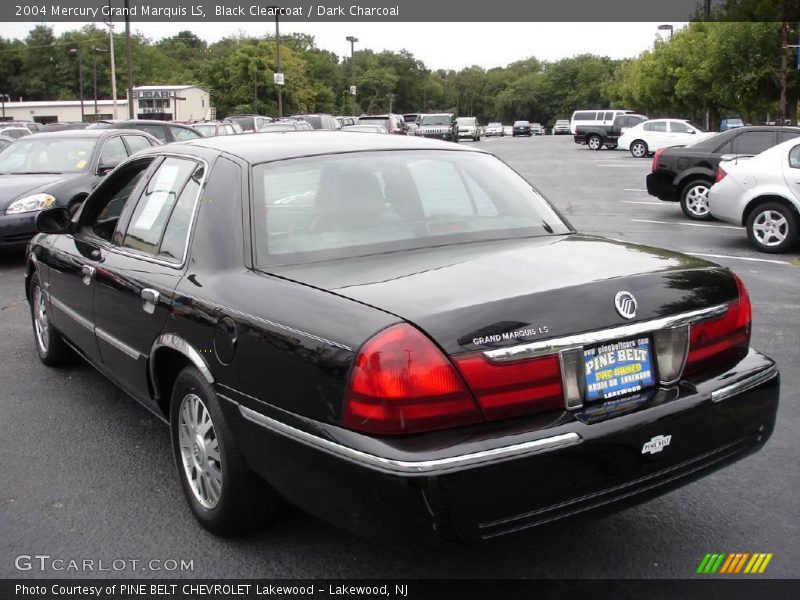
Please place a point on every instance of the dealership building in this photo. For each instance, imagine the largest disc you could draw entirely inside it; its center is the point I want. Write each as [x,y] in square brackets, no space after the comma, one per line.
[163,102]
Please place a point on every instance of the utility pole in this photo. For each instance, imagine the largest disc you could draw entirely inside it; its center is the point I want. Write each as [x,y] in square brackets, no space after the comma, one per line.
[77,52]
[113,66]
[278,73]
[128,59]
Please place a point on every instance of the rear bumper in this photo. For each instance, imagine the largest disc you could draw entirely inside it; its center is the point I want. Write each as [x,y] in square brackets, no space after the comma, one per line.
[661,187]
[472,485]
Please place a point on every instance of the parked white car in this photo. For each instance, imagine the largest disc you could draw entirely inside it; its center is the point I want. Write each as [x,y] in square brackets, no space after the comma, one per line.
[763,194]
[493,129]
[648,136]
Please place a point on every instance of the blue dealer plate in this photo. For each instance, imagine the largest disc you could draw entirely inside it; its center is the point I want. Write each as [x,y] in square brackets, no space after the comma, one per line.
[614,369]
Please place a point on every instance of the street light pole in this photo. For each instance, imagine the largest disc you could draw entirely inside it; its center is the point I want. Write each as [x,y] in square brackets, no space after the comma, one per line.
[128,59]
[94,76]
[278,64]
[352,40]
[77,53]
[113,65]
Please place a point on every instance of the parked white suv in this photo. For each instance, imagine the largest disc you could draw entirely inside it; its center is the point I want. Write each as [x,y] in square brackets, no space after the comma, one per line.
[468,128]
[595,116]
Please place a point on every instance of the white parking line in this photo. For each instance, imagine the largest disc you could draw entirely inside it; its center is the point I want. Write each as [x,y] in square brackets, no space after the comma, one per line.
[641,202]
[633,190]
[764,260]
[687,224]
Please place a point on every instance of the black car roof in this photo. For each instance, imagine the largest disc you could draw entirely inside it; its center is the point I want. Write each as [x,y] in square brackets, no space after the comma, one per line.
[256,148]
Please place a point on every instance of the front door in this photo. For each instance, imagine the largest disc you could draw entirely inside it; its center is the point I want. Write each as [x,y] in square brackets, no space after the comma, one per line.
[142,268]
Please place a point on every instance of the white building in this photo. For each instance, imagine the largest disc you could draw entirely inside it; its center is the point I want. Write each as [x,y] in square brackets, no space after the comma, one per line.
[164,102]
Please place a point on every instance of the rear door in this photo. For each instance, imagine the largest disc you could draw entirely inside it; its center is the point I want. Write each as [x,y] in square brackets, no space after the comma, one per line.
[657,135]
[134,289]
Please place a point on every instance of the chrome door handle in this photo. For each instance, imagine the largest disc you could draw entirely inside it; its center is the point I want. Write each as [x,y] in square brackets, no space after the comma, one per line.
[87,273]
[150,297]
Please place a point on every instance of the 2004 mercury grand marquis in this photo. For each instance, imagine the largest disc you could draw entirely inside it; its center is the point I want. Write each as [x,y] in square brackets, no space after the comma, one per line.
[399,335]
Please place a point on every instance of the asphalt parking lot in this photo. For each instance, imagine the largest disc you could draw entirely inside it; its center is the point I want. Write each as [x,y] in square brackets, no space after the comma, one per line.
[88,474]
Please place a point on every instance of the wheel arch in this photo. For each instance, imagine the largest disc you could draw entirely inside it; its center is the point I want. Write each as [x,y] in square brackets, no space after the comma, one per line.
[169,355]
[764,199]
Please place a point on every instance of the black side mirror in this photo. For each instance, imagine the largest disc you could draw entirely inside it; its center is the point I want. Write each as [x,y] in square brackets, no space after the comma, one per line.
[54,220]
[107,167]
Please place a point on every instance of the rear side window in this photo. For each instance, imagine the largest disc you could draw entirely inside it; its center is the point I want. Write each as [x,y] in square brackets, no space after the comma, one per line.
[659,126]
[785,136]
[156,205]
[794,157]
[753,142]
[585,116]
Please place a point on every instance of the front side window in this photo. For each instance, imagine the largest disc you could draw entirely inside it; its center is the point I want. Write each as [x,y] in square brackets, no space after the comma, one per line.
[678,127]
[155,206]
[137,143]
[338,206]
[113,152]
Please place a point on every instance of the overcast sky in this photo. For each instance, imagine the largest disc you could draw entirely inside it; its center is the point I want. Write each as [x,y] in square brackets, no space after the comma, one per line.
[438,45]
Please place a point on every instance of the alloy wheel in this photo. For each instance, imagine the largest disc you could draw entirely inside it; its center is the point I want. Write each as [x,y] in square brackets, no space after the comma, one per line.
[697,200]
[200,451]
[40,322]
[770,228]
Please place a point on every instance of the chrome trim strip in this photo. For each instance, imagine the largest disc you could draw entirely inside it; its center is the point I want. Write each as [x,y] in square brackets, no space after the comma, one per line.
[170,340]
[118,344]
[424,467]
[81,320]
[554,345]
[745,384]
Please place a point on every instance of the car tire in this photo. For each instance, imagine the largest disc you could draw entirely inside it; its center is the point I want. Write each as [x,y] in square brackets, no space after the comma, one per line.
[53,351]
[225,496]
[594,142]
[639,149]
[694,200]
[772,227]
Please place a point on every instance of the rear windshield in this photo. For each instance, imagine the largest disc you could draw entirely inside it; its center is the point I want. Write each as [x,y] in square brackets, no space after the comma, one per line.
[340,206]
[466,120]
[521,123]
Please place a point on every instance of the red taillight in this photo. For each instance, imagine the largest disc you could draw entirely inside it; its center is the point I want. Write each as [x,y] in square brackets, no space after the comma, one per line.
[656,159]
[722,339]
[721,173]
[514,388]
[402,383]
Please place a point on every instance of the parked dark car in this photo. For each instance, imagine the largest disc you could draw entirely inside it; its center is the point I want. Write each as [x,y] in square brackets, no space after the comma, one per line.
[438,126]
[521,128]
[164,131]
[597,136]
[685,173]
[381,330]
[44,170]
[394,124]
[319,121]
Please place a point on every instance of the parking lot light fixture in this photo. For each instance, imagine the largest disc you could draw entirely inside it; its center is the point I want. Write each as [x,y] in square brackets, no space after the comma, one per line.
[77,52]
[94,75]
[352,39]
[666,27]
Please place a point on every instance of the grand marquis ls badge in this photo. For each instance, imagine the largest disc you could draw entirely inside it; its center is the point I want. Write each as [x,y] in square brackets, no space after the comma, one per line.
[625,304]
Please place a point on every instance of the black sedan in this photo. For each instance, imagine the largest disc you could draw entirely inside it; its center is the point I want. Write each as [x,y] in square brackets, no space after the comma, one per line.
[399,335]
[685,174]
[56,169]
[521,128]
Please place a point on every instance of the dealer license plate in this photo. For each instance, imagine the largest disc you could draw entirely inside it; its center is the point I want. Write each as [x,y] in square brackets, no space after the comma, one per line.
[615,369]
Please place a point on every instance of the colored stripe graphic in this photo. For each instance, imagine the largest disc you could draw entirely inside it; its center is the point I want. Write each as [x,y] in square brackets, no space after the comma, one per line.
[733,563]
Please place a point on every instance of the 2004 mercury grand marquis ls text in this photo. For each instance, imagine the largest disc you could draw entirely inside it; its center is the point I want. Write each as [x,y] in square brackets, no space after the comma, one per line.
[398,335]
